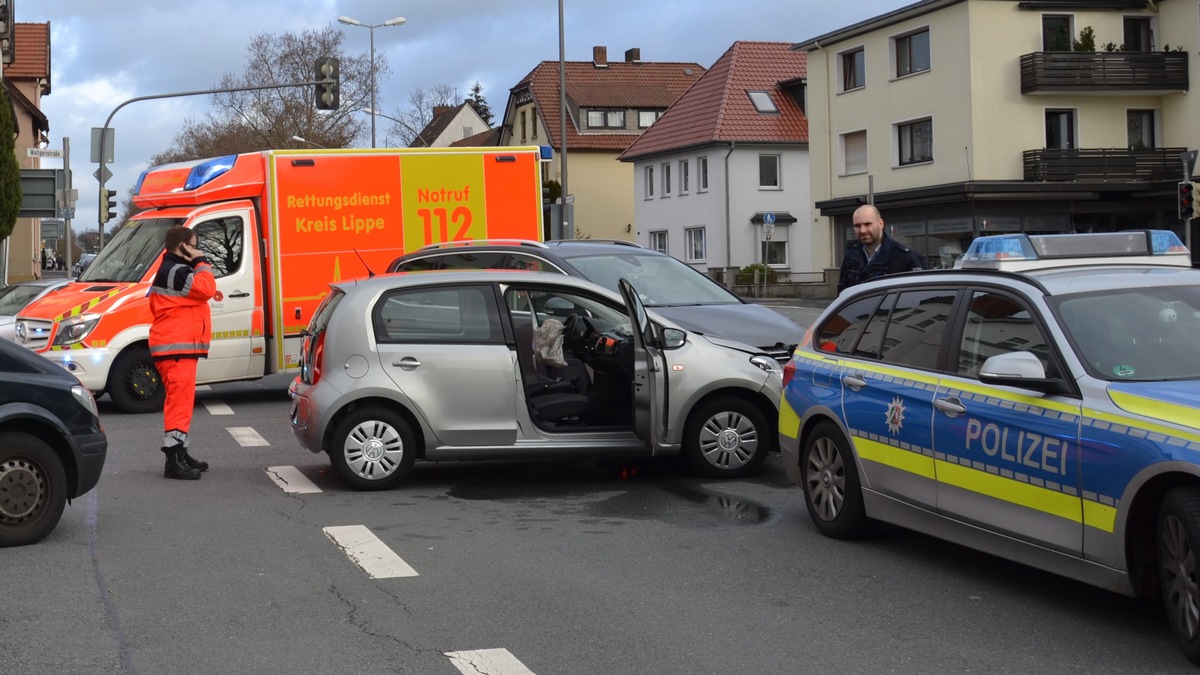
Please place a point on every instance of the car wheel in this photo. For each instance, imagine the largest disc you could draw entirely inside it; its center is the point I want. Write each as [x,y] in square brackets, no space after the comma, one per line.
[726,438]
[134,383]
[33,489]
[1178,547]
[832,491]
[373,449]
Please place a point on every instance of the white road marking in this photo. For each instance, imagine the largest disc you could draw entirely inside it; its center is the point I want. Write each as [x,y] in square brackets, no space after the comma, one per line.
[217,408]
[368,552]
[289,479]
[488,662]
[247,437]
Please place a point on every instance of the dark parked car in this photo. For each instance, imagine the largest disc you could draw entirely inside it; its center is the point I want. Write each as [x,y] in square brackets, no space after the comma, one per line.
[667,285]
[52,447]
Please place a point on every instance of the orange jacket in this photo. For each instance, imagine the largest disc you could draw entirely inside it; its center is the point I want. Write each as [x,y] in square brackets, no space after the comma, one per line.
[179,298]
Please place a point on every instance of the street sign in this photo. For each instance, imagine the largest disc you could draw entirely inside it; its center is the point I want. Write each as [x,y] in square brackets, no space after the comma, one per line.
[109,140]
[52,228]
[44,152]
[39,192]
[107,174]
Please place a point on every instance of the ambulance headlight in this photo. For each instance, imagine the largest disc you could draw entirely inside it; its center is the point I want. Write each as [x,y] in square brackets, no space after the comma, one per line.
[75,329]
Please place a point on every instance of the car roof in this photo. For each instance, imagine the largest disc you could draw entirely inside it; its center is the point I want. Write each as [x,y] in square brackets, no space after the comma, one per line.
[448,277]
[1081,278]
[553,249]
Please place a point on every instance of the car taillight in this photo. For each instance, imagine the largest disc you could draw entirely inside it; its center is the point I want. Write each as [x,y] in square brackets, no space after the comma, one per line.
[789,369]
[310,357]
[318,353]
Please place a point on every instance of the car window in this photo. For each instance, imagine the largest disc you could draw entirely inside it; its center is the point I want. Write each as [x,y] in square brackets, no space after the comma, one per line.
[529,263]
[840,332]
[419,265]
[997,323]
[14,298]
[917,325]
[870,345]
[221,241]
[659,279]
[1135,334]
[472,260]
[453,314]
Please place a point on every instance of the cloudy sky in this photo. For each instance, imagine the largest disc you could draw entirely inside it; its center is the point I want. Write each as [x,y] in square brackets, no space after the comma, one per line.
[104,53]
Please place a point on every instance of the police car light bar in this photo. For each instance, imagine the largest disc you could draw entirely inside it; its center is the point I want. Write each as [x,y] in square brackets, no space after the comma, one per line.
[1021,251]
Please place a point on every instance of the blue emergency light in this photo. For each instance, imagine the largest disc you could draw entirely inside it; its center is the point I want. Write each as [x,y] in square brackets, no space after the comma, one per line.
[995,250]
[206,171]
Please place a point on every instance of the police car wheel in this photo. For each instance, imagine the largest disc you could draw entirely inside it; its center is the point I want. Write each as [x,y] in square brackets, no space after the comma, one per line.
[727,438]
[1178,549]
[373,449]
[33,489]
[832,491]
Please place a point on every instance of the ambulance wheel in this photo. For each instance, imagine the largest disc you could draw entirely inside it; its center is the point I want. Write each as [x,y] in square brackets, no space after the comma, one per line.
[1178,548]
[726,438]
[373,449]
[33,489]
[134,384]
[832,491]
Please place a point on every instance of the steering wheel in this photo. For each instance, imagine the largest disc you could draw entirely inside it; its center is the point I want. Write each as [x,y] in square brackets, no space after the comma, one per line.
[576,328]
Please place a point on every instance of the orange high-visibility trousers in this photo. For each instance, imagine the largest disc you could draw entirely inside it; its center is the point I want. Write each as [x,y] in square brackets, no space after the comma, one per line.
[179,379]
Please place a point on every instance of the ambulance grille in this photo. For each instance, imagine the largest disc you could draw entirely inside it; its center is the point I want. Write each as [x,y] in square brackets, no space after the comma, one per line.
[36,333]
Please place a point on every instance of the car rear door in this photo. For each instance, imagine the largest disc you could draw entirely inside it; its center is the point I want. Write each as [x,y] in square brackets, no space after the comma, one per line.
[443,346]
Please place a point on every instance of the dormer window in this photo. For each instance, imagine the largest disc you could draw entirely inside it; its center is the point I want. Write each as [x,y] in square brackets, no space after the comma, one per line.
[606,119]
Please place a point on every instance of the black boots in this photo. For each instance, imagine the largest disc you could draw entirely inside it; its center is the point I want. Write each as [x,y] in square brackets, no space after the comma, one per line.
[177,466]
[193,462]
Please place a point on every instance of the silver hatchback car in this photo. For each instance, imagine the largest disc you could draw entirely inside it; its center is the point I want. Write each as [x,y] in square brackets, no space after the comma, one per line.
[497,364]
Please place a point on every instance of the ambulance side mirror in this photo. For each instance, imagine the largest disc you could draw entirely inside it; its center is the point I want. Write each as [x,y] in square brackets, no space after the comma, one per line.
[1020,369]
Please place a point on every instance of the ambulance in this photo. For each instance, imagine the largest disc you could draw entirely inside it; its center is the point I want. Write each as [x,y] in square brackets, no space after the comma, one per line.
[278,226]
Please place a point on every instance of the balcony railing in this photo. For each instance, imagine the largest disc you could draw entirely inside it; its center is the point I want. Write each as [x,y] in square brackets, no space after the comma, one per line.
[1116,164]
[1079,72]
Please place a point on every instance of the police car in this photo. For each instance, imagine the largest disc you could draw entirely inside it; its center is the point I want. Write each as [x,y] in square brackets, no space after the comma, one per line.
[1040,402]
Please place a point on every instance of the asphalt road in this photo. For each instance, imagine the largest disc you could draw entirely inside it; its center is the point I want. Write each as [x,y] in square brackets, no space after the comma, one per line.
[543,567]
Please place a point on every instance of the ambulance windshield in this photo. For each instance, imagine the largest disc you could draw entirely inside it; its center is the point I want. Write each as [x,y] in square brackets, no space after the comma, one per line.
[129,255]
[1135,334]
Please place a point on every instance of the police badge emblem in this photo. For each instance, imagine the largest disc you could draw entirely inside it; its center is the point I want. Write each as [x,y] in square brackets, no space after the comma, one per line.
[895,415]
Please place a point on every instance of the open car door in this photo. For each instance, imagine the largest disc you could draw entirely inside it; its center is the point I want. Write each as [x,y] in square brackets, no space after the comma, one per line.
[649,372]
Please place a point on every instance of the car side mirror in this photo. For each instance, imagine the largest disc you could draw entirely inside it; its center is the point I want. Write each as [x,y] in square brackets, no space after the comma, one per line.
[673,338]
[1020,369]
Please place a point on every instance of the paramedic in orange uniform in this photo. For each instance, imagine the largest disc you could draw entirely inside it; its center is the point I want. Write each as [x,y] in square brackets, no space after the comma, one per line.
[179,337]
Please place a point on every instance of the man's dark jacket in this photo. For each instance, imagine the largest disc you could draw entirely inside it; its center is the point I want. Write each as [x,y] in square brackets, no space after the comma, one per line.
[892,257]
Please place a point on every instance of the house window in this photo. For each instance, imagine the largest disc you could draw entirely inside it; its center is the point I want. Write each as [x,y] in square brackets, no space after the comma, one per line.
[854,69]
[912,53]
[915,141]
[762,102]
[606,119]
[666,192]
[658,241]
[648,117]
[702,174]
[524,133]
[1139,125]
[1138,34]
[775,252]
[695,244]
[533,120]
[854,152]
[649,182]
[468,132]
[1056,33]
[768,172]
[685,179]
[1060,130]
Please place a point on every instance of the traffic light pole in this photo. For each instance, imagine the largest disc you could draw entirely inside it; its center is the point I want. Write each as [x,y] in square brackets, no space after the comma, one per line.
[201,92]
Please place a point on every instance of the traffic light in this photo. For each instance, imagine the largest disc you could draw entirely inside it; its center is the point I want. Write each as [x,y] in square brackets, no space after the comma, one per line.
[328,94]
[108,205]
[1187,200]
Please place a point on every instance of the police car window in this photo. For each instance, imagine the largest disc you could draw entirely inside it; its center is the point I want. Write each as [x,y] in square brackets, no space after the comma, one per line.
[917,325]
[446,314]
[839,334]
[998,324]
[221,240]
[871,342]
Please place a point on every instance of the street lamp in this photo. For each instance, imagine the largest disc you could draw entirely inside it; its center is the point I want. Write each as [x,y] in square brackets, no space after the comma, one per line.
[416,134]
[301,139]
[355,22]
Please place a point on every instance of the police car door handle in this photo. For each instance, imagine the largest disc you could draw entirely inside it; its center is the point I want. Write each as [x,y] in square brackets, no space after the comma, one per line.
[952,406]
[855,381]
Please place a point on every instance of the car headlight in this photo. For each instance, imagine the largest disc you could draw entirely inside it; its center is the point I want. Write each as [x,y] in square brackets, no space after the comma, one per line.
[75,329]
[85,399]
[766,364]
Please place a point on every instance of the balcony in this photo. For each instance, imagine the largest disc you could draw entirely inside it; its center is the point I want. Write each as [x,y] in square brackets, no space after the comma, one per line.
[1103,164]
[1154,73]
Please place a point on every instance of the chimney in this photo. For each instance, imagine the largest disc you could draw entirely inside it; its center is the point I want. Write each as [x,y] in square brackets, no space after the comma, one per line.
[633,55]
[439,109]
[600,56]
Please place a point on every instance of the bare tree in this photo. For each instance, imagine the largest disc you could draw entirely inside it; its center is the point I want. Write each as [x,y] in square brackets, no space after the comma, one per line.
[259,120]
[408,123]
